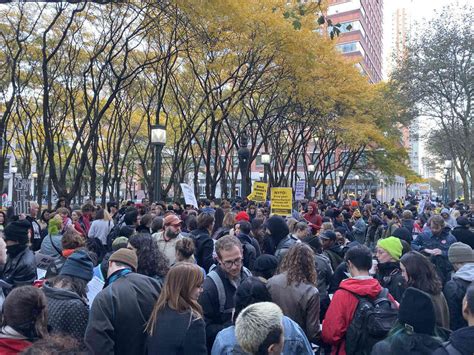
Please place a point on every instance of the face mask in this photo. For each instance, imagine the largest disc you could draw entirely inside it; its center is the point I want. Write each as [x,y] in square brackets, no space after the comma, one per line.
[14,250]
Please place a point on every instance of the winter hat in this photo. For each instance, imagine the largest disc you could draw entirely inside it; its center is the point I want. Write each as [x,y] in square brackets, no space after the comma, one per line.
[357,214]
[391,245]
[444,211]
[277,227]
[125,256]
[171,220]
[17,231]
[80,265]
[265,262]
[403,234]
[460,253]
[120,242]
[462,221]
[242,216]
[417,312]
[328,235]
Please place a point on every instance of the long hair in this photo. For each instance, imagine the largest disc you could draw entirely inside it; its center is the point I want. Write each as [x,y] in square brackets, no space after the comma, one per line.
[176,293]
[151,261]
[25,310]
[71,283]
[421,273]
[299,265]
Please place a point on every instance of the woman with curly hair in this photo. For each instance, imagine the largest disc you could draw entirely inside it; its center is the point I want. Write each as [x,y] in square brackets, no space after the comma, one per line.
[151,261]
[294,289]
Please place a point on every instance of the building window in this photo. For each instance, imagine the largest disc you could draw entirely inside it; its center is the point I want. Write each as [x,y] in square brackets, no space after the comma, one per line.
[350,47]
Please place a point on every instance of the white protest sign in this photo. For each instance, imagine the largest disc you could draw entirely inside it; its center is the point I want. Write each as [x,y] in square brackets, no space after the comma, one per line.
[189,196]
[299,189]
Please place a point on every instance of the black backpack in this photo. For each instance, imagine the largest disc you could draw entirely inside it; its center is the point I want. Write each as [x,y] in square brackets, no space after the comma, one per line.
[371,323]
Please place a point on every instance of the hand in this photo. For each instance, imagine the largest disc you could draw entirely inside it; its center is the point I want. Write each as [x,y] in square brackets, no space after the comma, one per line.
[437,251]
[428,251]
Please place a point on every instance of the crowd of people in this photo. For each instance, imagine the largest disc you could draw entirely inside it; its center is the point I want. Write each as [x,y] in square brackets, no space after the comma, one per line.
[336,277]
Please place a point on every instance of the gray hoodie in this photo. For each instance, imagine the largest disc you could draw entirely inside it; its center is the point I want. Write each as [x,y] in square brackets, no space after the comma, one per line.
[466,273]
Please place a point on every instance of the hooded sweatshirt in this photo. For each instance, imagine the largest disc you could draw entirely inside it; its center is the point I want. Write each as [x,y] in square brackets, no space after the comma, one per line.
[314,218]
[454,292]
[342,308]
[462,340]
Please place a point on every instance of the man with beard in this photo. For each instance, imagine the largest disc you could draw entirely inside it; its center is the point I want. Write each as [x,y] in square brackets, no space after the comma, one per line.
[20,268]
[167,238]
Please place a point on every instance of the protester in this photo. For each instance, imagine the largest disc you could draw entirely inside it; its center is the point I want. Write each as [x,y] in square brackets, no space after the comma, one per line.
[151,261]
[391,223]
[294,289]
[51,244]
[176,325]
[120,311]
[259,329]
[313,217]
[204,245]
[462,232]
[278,240]
[55,344]
[251,291]
[359,228]
[419,272]
[375,231]
[101,226]
[461,341]
[435,242]
[24,319]
[220,285]
[68,312]
[346,299]
[462,258]
[389,274]
[36,236]
[185,251]
[251,249]
[20,266]
[227,224]
[167,239]
[415,331]
[331,249]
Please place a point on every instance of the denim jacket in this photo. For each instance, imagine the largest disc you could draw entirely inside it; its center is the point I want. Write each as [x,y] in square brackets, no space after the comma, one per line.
[295,341]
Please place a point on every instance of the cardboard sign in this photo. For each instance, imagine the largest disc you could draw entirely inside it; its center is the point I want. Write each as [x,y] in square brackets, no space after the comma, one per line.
[259,192]
[281,201]
[189,196]
[299,189]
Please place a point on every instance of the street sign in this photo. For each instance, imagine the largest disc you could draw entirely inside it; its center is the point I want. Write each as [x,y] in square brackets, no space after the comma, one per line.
[281,201]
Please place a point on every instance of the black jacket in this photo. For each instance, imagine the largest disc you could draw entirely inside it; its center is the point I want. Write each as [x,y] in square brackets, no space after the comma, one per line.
[68,313]
[19,270]
[209,300]
[204,248]
[335,255]
[177,333]
[119,314]
[462,340]
[390,276]
[283,246]
[464,235]
[249,250]
[37,236]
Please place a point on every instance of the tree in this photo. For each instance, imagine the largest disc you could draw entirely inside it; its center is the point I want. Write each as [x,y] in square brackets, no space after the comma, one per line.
[437,77]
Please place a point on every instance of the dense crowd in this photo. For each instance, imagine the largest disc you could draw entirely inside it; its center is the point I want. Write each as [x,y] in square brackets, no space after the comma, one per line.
[336,277]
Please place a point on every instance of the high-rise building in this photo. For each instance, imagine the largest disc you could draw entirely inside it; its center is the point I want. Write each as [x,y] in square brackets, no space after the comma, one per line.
[361,33]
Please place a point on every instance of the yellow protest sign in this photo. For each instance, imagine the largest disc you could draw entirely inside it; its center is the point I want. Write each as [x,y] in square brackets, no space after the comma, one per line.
[281,201]
[259,192]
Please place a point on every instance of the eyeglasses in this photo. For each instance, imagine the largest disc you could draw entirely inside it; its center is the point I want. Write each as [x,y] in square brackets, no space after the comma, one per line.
[229,263]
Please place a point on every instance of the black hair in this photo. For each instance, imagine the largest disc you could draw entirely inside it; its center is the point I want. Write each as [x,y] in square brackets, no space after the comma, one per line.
[205,220]
[273,337]
[131,217]
[191,222]
[360,256]
[251,290]
[470,298]
[388,213]
[151,261]
[71,283]
[245,227]
[218,219]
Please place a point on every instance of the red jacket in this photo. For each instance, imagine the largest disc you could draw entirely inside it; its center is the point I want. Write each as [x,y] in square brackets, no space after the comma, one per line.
[342,308]
[13,346]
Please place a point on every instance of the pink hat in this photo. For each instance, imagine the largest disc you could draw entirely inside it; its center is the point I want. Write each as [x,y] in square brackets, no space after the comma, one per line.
[171,220]
[242,216]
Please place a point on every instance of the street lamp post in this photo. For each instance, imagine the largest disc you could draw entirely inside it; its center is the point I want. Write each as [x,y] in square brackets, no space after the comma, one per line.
[34,176]
[381,190]
[158,139]
[134,189]
[244,156]
[340,174]
[448,164]
[265,161]
[356,178]
[311,170]
[13,171]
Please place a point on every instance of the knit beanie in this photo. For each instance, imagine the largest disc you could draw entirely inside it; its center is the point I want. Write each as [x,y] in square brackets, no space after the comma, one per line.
[80,265]
[120,242]
[125,256]
[391,245]
[417,312]
[242,216]
[460,253]
[265,262]
[17,231]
